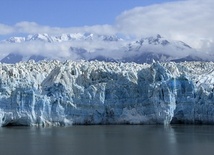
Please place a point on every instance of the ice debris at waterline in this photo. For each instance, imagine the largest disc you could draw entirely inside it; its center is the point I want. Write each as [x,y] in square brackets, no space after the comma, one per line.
[56,93]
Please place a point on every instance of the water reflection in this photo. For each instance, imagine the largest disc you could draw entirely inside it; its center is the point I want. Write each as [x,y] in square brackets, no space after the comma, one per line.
[195,140]
[107,140]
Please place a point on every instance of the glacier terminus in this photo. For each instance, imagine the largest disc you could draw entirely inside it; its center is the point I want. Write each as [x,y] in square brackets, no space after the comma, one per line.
[65,93]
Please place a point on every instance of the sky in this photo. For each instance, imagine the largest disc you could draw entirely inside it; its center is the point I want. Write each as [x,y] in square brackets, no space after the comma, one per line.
[188,20]
[67,13]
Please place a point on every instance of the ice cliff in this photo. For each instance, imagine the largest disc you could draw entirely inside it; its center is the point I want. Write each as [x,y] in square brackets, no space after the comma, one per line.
[56,93]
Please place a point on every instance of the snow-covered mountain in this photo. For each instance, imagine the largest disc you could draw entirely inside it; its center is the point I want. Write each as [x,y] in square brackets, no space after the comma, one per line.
[159,49]
[64,37]
[66,93]
[89,46]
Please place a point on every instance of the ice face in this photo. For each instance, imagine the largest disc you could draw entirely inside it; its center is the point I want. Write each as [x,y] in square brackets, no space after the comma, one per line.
[56,93]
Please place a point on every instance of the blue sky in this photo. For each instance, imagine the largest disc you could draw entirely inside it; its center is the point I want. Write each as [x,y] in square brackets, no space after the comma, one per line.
[67,13]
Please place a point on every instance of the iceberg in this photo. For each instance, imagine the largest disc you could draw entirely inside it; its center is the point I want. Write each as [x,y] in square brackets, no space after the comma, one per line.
[65,93]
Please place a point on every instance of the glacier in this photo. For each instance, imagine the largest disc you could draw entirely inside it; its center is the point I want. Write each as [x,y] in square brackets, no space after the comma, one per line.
[54,93]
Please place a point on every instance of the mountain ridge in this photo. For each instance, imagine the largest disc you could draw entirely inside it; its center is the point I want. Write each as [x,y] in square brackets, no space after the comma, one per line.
[90,46]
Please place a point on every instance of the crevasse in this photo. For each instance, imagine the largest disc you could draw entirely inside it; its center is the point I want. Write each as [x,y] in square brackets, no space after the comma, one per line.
[66,93]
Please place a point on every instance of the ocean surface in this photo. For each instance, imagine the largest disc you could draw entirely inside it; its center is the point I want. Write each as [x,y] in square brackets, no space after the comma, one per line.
[108,140]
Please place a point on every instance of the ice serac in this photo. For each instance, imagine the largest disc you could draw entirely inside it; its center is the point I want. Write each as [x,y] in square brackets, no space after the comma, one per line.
[56,93]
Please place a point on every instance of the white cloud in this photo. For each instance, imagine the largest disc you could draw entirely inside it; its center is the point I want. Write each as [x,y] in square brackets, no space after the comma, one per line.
[188,20]
[61,49]
[26,27]
[33,28]
[5,29]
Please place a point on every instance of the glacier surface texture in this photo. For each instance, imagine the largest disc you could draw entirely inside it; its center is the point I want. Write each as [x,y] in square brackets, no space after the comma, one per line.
[66,93]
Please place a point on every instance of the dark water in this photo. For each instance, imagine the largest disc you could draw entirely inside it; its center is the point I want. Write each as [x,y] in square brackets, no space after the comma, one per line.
[108,140]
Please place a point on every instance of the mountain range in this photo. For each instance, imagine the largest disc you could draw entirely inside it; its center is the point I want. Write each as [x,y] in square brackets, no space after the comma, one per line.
[87,46]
